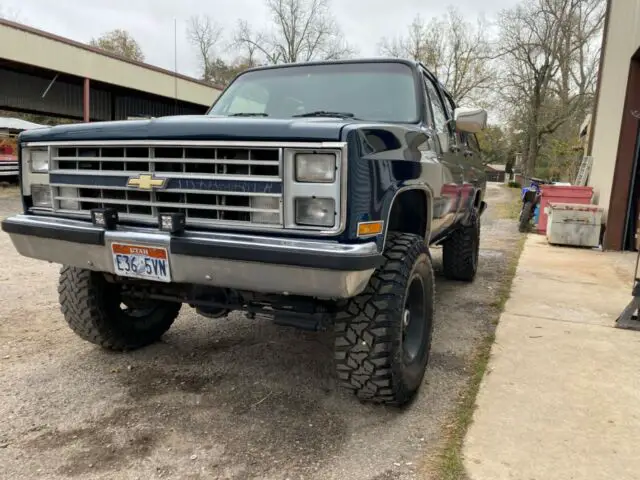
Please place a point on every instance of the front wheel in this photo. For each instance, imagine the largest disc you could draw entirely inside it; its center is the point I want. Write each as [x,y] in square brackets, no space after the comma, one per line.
[98,313]
[383,336]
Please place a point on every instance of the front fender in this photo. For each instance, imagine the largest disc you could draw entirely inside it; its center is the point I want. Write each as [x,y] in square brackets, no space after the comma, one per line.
[384,161]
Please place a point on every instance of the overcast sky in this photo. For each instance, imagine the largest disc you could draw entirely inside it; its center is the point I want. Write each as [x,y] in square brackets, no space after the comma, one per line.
[151,22]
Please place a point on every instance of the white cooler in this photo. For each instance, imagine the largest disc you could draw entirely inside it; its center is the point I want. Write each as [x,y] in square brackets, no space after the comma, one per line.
[574,224]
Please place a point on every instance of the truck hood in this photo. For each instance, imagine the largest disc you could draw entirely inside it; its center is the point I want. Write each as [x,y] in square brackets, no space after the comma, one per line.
[195,127]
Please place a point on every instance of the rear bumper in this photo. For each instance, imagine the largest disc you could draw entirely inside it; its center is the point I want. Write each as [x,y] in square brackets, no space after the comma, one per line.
[321,269]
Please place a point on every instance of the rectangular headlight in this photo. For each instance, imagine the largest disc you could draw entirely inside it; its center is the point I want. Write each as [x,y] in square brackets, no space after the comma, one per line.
[316,211]
[265,203]
[315,167]
[68,203]
[39,159]
[41,196]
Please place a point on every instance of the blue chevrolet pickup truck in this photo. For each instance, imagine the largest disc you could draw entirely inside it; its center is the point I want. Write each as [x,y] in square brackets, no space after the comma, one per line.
[310,193]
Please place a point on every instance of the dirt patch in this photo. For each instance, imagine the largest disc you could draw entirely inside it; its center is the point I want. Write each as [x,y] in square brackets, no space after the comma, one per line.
[7,190]
[231,398]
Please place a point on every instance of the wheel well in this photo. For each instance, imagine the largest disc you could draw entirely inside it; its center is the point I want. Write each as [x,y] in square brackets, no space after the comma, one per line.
[409,213]
[477,199]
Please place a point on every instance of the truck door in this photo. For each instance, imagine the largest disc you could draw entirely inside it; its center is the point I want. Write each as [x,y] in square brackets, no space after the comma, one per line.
[466,158]
[452,172]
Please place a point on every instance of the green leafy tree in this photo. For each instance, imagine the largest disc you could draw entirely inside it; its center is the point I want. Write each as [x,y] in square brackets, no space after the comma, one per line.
[223,73]
[119,42]
[494,145]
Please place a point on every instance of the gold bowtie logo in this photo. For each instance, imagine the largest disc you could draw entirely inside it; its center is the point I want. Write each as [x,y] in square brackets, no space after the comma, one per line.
[146,182]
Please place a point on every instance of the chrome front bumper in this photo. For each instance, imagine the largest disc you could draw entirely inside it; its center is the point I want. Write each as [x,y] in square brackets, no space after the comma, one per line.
[321,269]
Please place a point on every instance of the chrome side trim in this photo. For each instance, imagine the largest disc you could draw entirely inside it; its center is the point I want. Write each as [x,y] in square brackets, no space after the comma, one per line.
[429,193]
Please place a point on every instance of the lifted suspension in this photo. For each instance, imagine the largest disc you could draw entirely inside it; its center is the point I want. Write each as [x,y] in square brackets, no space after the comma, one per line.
[213,302]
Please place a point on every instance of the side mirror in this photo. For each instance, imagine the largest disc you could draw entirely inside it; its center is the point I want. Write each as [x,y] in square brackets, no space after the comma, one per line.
[471,120]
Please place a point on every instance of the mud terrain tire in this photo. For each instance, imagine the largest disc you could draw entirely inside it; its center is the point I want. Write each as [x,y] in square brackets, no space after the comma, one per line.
[383,335]
[93,309]
[461,250]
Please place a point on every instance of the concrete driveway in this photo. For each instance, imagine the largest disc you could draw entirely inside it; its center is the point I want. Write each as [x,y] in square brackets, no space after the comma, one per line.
[231,398]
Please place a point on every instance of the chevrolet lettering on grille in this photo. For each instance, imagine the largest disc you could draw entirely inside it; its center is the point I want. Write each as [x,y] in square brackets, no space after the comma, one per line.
[146,182]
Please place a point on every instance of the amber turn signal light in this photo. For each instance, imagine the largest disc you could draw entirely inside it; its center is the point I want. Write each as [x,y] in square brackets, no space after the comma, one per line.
[370,228]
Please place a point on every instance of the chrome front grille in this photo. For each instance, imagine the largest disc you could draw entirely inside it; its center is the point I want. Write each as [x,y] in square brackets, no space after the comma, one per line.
[211,185]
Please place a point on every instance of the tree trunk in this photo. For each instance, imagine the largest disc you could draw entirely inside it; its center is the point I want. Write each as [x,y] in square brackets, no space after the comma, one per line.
[532,152]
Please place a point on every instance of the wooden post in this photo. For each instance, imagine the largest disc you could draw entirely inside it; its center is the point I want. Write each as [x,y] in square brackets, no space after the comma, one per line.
[86,103]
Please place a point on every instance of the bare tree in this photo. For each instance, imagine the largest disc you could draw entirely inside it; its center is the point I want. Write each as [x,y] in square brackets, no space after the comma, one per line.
[456,51]
[549,61]
[119,42]
[301,30]
[205,35]
[248,50]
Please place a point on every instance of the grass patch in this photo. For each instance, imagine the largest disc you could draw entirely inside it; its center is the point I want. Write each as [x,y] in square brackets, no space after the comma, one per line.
[505,288]
[510,210]
[450,465]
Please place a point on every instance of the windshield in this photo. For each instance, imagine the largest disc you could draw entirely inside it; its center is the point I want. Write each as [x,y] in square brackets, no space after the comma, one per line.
[367,91]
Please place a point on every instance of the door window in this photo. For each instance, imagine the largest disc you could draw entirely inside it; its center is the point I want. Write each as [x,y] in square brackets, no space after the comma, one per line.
[449,105]
[441,124]
[473,144]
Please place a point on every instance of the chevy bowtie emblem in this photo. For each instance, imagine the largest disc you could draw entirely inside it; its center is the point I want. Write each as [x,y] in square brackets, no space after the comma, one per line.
[146,182]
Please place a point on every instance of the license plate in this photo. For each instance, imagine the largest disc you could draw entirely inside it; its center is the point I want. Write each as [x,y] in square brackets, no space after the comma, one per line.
[149,263]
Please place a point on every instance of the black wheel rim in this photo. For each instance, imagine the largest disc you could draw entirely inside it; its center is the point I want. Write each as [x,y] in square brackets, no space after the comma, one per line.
[133,311]
[413,321]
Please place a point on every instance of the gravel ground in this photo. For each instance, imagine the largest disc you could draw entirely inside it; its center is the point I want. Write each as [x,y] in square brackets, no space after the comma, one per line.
[228,399]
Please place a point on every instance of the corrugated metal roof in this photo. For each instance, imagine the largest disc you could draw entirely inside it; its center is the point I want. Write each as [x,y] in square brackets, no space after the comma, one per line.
[10,123]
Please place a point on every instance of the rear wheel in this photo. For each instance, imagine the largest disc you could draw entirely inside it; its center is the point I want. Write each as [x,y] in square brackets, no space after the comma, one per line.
[383,336]
[460,252]
[97,312]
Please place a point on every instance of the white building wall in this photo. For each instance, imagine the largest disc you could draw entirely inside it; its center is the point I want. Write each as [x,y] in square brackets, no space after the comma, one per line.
[622,41]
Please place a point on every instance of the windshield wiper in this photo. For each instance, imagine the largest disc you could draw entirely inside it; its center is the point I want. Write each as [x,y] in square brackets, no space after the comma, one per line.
[324,113]
[249,114]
